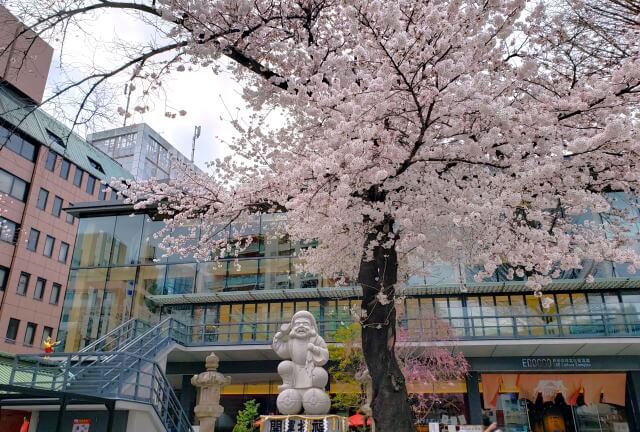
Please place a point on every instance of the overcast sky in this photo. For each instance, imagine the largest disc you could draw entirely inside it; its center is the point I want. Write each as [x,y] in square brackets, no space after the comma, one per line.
[201,93]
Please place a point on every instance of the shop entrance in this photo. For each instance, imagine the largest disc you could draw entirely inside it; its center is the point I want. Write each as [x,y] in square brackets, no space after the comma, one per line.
[556,402]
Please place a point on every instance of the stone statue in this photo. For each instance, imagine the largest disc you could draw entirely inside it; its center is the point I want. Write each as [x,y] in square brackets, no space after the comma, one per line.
[303,378]
[210,384]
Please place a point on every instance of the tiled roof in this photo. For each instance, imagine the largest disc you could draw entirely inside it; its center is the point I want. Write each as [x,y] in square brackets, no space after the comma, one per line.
[34,122]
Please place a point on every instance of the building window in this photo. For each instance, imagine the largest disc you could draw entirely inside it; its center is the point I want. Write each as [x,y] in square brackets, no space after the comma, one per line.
[64,252]
[32,241]
[95,165]
[13,186]
[65,166]
[102,193]
[55,293]
[125,144]
[49,244]
[39,291]
[30,333]
[77,177]
[23,283]
[9,230]
[47,332]
[12,330]
[55,139]
[18,145]
[4,275]
[50,163]
[91,185]
[57,206]
[43,196]
[70,219]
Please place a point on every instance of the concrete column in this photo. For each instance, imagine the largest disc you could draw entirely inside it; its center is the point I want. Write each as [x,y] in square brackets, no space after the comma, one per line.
[473,396]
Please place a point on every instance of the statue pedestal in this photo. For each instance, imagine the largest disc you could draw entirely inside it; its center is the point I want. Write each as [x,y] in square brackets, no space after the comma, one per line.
[304,423]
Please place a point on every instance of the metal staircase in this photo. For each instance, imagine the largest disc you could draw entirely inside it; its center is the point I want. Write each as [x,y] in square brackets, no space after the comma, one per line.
[121,365]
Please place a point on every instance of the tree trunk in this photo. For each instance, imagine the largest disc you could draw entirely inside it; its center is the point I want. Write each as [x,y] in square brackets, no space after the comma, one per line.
[390,405]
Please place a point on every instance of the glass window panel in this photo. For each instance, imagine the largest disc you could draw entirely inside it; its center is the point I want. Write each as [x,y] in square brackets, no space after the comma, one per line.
[191,234]
[211,276]
[126,240]
[23,283]
[93,244]
[81,311]
[152,279]
[32,241]
[38,292]
[180,279]
[50,163]
[49,244]
[91,185]
[242,275]
[64,252]
[150,251]
[262,330]
[30,333]
[274,240]
[57,206]
[274,273]
[77,177]
[12,329]
[9,230]
[116,303]
[54,297]
[19,189]
[43,196]
[456,311]
[46,332]
[150,282]
[65,166]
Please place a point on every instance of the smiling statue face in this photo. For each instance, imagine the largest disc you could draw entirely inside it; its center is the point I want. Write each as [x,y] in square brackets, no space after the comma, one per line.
[302,328]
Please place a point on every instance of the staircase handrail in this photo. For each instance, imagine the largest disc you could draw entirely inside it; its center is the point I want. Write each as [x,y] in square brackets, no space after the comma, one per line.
[98,341]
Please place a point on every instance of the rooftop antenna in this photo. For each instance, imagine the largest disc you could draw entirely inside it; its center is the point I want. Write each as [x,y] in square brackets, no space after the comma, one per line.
[196,135]
[127,91]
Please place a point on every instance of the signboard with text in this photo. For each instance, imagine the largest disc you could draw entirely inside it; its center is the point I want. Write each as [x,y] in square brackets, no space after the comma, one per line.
[81,425]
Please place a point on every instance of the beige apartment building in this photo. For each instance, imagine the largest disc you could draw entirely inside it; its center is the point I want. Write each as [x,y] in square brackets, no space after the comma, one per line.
[44,168]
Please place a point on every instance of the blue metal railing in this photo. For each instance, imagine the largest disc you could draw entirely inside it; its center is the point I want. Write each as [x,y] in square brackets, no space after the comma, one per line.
[112,375]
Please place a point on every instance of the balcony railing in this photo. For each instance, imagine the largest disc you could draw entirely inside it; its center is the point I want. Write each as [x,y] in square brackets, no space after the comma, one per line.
[498,326]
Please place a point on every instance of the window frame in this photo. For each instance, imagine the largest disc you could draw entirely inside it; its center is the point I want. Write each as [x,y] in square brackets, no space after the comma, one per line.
[57,289]
[49,253]
[25,287]
[66,254]
[40,202]
[44,333]
[50,163]
[4,222]
[77,181]
[56,209]
[34,328]
[17,330]
[91,185]
[65,169]
[15,179]
[43,283]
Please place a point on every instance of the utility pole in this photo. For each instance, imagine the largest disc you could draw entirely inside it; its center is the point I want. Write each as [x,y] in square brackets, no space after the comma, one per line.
[196,135]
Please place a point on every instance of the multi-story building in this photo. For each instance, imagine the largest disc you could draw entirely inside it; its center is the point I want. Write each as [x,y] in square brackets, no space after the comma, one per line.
[576,363]
[140,150]
[44,167]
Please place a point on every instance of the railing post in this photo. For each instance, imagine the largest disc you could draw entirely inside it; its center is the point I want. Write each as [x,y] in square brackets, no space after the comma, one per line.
[12,376]
[65,378]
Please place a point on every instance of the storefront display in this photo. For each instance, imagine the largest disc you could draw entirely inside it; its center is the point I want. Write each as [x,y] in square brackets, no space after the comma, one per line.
[556,402]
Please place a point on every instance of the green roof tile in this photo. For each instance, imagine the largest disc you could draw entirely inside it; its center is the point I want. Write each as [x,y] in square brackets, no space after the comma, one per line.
[34,122]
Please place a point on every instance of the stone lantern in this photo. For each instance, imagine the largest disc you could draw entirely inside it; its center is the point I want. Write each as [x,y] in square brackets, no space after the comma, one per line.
[210,384]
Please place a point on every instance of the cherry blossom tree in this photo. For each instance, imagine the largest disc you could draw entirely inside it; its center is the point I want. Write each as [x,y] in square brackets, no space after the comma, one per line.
[414,133]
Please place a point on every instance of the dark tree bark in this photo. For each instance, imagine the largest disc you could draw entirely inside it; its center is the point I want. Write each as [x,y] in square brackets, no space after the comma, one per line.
[390,404]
